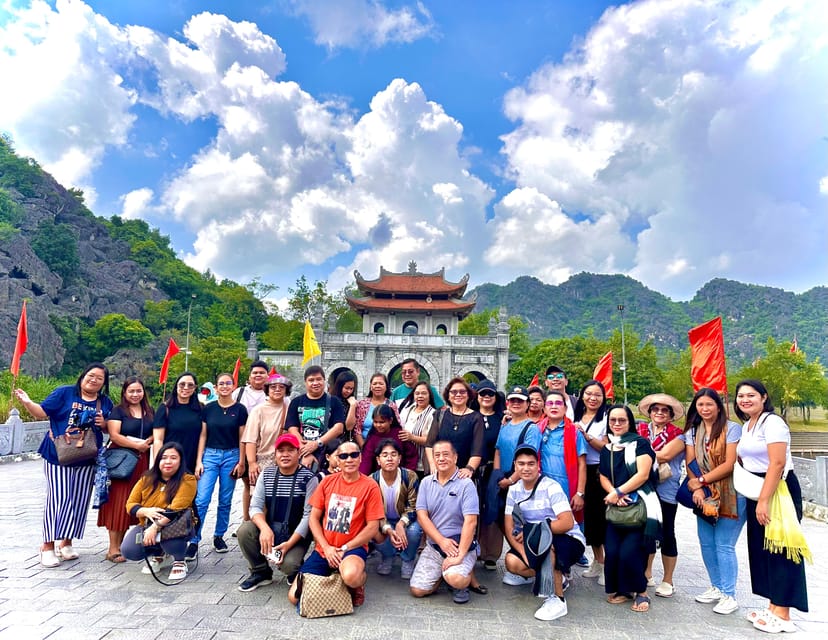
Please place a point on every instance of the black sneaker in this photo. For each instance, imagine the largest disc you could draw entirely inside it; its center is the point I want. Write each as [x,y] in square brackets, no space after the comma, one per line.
[219,545]
[256,580]
[192,552]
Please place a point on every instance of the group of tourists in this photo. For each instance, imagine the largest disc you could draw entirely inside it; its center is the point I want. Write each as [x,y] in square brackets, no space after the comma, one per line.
[440,480]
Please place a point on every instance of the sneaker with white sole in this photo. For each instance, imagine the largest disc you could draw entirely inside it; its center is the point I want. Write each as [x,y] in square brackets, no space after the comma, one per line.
[711,595]
[551,609]
[178,571]
[566,583]
[595,570]
[601,580]
[157,563]
[726,605]
[514,580]
[385,566]
[665,590]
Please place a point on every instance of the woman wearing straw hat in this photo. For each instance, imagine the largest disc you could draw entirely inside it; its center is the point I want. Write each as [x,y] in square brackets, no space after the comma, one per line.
[667,441]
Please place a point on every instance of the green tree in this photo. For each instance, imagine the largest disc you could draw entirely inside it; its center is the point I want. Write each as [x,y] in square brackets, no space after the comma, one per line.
[214,355]
[643,373]
[57,246]
[791,380]
[676,375]
[305,299]
[112,332]
[10,211]
[164,315]
[282,335]
[477,324]
[577,356]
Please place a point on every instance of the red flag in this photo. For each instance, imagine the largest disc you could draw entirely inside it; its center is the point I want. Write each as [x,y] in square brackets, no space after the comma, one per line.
[707,367]
[794,346]
[21,343]
[534,382]
[236,372]
[172,349]
[603,373]
[272,372]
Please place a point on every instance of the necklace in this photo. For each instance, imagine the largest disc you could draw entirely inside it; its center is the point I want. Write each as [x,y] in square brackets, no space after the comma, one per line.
[225,408]
[455,419]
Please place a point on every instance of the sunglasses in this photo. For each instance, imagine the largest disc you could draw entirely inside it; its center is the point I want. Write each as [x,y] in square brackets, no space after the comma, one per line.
[186,385]
[486,394]
[458,392]
[555,403]
[352,454]
[555,376]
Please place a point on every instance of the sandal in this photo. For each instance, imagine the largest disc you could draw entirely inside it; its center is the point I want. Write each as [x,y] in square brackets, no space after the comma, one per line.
[178,571]
[618,598]
[772,623]
[482,589]
[117,558]
[67,552]
[641,604]
[754,615]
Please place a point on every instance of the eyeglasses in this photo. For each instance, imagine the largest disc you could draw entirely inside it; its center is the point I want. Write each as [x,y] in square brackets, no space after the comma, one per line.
[407,372]
[555,403]
[186,385]
[618,421]
[555,376]
[593,395]
[226,383]
[458,392]
[659,410]
[351,454]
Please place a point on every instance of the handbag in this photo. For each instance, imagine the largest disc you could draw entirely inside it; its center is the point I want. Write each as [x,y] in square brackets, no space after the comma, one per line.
[665,472]
[627,516]
[323,596]
[747,483]
[182,525]
[121,463]
[78,444]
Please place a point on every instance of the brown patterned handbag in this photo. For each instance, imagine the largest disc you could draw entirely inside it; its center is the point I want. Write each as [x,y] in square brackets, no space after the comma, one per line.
[323,596]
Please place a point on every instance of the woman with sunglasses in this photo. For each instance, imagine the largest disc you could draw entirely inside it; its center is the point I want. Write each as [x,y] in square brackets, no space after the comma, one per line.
[178,419]
[563,450]
[462,426]
[667,441]
[591,419]
[220,459]
[491,406]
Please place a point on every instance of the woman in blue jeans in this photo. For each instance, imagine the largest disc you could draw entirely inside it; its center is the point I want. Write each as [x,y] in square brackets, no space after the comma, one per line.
[711,440]
[220,458]
[399,531]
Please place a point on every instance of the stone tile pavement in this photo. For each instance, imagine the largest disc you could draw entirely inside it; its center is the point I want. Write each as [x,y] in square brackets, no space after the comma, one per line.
[91,598]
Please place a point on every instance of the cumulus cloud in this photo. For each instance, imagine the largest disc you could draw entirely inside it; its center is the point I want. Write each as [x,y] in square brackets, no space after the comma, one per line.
[360,23]
[694,128]
[64,101]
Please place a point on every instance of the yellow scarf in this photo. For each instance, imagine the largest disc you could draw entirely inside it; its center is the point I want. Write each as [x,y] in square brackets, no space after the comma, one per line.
[783,534]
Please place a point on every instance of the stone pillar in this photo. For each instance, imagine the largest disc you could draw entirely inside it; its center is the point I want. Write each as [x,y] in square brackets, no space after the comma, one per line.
[11,434]
[502,365]
[253,347]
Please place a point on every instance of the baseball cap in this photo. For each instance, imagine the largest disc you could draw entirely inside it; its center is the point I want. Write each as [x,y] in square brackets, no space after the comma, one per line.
[517,392]
[288,438]
[555,369]
[486,385]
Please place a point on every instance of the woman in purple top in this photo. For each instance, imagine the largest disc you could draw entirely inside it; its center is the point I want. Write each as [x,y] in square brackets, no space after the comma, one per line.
[386,425]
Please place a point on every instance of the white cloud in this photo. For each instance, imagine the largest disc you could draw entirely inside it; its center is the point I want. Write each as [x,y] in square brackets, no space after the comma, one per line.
[137,204]
[362,23]
[696,127]
[68,103]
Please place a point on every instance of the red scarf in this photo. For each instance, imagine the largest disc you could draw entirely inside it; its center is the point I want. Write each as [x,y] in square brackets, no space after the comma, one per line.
[570,442]
[668,434]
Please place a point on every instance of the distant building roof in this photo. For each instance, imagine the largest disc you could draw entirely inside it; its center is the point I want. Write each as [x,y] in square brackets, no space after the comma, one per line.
[412,282]
[461,307]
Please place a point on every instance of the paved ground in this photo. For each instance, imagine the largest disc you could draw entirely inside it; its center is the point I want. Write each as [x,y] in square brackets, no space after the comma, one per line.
[93,598]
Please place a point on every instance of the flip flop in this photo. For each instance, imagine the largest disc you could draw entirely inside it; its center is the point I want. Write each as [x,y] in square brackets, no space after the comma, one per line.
[482,589]
[618,598]
[641,604]
[117,558]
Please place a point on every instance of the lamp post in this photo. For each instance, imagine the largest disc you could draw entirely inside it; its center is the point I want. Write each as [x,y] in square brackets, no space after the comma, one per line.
[187,347]
[623,353]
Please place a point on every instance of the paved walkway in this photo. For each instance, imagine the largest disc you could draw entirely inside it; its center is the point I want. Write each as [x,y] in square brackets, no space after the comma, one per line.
[93,598]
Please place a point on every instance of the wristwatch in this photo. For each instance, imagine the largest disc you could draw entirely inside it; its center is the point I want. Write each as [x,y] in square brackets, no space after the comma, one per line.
[344,547]
[580,494]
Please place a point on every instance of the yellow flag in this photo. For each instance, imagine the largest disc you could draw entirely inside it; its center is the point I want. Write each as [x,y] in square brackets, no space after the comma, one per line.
[310,347]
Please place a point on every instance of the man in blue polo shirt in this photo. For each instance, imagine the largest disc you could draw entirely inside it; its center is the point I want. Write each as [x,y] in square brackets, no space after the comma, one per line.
[447,510]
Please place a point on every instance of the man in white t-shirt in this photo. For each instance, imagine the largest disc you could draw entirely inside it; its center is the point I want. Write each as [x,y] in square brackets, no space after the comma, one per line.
[253,394]
[532,504]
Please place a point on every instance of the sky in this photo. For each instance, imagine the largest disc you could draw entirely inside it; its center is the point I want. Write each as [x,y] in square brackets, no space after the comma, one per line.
[674,141]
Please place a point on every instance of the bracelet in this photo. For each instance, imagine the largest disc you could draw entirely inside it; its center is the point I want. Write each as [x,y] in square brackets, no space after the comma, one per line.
[619,493]
[470,468]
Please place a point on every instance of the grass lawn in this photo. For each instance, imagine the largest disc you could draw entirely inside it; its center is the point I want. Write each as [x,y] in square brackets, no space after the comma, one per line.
[818,421]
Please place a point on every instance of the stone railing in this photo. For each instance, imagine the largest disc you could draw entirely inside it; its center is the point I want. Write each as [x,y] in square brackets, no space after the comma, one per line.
[18,437]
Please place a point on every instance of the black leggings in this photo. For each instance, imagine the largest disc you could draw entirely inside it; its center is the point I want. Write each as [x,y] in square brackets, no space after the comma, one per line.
[668,546]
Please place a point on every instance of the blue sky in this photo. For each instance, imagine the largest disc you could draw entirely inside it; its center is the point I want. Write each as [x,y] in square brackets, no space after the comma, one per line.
[672,141]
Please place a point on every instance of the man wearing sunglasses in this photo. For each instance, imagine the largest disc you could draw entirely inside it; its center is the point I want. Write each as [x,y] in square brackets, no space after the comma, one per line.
[556,380]
[410,372]
[346,510]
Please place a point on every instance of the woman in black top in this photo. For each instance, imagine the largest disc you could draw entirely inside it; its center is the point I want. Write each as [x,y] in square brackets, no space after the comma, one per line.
[220,459]
[460,425]
[129,427]
[178,419]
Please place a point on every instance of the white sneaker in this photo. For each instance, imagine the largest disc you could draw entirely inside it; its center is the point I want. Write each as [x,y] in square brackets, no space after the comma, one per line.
[157,563]
[551,609]
[726,605]
[595,570]
[710,596]
[601,580]
[514,580]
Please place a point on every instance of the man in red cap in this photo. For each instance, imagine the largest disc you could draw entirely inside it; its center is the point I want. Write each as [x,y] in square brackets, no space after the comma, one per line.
[278,529]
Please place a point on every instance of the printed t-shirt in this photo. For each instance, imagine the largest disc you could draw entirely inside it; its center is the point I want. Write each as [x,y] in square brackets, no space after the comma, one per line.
[67,409]
[308,414]
[347,507]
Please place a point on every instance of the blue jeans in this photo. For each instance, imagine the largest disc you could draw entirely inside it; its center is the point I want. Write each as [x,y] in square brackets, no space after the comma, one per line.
[218,465]
[413,532]
[718,549]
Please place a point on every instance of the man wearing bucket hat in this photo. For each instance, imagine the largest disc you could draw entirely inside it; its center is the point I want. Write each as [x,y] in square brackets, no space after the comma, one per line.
[667,441]
[278,530]
[544,540]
